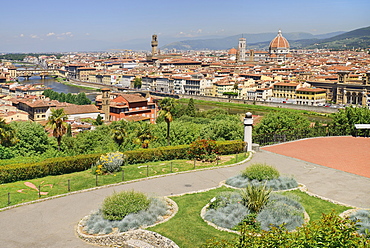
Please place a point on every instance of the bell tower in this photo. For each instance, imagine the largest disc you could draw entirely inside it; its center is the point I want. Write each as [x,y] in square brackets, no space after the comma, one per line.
[106,103]
[241,51]
[154,45]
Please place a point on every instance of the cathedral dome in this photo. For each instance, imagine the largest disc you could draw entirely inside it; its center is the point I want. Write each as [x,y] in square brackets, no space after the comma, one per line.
[233,51]
[279,42]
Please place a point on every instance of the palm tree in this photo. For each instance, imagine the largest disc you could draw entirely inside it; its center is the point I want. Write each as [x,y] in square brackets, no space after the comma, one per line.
[7,134]
[119,132]
[57,122]
[144,134]
[167,106]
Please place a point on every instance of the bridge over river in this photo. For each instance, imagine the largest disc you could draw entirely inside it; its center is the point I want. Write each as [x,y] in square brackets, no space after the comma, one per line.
[27,73]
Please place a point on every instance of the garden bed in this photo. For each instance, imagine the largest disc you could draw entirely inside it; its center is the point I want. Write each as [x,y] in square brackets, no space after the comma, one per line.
[131,237]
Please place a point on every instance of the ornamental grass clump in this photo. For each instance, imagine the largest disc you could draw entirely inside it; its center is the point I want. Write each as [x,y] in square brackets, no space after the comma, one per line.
[118,205]
[109,163]
[226,211]
[281,211]
[281,183]
[261,172]
[362,220]
[255,197]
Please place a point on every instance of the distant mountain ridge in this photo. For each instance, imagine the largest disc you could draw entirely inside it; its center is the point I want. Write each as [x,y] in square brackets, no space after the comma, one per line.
[359,38]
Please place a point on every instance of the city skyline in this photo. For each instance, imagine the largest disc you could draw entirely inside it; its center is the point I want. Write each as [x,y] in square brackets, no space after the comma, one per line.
[42,26]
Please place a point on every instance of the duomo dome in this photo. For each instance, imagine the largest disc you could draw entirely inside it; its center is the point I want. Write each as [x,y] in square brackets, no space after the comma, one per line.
[279,44]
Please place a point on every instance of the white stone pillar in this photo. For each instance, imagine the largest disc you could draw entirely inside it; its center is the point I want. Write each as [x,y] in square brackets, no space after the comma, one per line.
[248,123]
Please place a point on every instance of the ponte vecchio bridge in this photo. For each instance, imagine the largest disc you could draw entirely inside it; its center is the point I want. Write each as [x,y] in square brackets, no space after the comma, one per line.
[27,73]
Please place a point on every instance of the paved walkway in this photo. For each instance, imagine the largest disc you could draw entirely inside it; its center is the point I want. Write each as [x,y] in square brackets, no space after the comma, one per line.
[52,223]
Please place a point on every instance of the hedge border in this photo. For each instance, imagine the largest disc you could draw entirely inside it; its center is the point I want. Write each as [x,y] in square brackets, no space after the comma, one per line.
[63,165]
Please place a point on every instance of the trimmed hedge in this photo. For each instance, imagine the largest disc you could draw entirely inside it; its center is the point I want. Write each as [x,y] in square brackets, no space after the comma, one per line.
[62,165]
[54,166]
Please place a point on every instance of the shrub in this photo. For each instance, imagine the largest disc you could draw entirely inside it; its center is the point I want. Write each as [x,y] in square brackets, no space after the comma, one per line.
[281,183]
[109,163]
[255,197]
[261,172]
[118,205]
[203,150]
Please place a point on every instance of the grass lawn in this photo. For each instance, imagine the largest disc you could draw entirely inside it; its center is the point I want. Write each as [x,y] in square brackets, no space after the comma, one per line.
[188,230]
[25,191]
[315,207]
[251,107]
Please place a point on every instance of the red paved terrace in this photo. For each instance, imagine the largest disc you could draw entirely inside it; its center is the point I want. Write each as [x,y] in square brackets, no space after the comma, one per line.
[350,154]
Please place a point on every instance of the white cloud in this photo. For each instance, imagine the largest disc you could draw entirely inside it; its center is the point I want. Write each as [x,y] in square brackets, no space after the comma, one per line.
[50,34]
[21,35]
[33,36]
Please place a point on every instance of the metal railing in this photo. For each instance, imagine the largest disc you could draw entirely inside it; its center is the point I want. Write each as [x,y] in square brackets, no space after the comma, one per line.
[296,134]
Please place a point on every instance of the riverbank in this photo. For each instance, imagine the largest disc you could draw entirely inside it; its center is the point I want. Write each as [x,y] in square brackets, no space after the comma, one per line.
[76,84]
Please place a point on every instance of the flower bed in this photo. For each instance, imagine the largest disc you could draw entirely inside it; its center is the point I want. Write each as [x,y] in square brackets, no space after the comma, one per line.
[129,230]
[227,211]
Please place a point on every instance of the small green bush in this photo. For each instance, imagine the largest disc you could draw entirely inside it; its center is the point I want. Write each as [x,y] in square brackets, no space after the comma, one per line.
[118,205]
[261,172]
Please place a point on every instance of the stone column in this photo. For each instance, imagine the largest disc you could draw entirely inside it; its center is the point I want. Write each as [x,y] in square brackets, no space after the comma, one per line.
[248,123]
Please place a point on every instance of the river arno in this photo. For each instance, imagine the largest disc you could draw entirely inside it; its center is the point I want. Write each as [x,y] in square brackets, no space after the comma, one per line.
[56,86]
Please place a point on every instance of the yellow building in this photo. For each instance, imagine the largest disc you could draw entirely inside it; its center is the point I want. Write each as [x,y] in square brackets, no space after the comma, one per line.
[311,96]
[284,92]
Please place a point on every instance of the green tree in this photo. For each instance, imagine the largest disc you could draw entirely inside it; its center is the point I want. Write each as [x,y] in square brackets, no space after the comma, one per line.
[144,134]
[57,122]
[99,120]
[81,99]
[191,110]
[167,106]
[119,131]
[93,141]
[7,134]
[282,121]
[345,119]
[32,138]
[137,83]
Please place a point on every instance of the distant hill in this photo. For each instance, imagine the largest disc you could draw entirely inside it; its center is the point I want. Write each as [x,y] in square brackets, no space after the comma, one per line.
[254,41]
[359,38]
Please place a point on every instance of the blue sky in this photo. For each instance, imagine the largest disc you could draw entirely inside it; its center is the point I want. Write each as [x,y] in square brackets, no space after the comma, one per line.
[55,25]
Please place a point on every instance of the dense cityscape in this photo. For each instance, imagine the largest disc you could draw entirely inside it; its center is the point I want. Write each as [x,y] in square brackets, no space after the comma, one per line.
[279,75]
[158,124]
